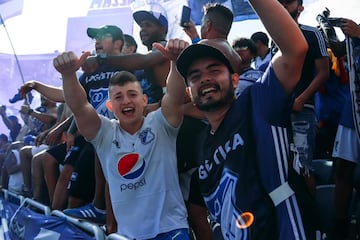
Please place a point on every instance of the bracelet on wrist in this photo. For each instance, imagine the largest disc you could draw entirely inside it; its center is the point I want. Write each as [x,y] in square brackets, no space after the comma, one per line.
[195,40]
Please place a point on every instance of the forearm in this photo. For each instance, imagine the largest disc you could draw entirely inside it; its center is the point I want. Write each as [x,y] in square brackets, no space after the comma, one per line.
[6,121]
[87,119]
[135,61]
[43,117]
[74,94]
[314,86]
[62,126]
[277,21]
[72,128]
[175,87]
[51,92]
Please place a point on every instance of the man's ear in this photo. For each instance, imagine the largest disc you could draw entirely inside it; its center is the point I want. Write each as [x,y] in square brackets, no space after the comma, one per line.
[118,43]
[109,105]
[145,99]
[188,93]
[300,9]
[235,79]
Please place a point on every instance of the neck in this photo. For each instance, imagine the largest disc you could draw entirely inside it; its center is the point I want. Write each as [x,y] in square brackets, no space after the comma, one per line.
[132,127]
[216,117]
[264,51]
[215,35]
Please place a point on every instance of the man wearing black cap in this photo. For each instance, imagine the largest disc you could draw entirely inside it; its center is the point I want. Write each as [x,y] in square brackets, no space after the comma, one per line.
[243,168]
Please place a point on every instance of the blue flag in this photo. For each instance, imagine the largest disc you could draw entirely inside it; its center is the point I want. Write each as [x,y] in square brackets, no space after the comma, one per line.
[240,8]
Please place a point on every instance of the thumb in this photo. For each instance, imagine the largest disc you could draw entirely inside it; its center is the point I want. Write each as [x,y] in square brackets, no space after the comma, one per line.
[160,47]
[83,57]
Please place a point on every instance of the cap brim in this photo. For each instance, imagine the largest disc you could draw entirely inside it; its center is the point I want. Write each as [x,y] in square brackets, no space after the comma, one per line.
[196,51]
[140,16]
[93,32]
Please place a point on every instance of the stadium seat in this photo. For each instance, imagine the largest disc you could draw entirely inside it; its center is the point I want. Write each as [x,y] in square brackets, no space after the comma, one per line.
[325,205]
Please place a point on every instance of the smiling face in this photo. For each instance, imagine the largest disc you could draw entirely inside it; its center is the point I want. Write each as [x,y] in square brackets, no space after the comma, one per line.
[128,103]
[151,32]
[211,84]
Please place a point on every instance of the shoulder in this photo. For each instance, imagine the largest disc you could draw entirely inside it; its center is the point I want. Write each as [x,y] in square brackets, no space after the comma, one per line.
[308,28]
[311,32]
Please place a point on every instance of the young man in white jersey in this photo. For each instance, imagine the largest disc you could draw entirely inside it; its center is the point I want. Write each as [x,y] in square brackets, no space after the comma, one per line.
[137,153]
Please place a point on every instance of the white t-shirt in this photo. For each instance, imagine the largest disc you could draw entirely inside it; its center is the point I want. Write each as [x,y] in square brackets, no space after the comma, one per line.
[141,170]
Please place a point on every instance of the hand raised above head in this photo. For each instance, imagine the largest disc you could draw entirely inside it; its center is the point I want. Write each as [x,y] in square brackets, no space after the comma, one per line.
[190,30]
[350,28]
[27,87]
[68,63]
[172,49]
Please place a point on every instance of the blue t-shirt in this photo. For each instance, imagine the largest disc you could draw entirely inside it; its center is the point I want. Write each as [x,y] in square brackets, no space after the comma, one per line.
[96,86]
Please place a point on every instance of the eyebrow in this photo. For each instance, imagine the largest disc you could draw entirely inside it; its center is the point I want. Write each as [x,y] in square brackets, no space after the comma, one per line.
[207,67]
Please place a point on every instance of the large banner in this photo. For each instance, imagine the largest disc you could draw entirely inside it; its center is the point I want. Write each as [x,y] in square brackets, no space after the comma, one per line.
[240,8]
[10,8]
[17,69]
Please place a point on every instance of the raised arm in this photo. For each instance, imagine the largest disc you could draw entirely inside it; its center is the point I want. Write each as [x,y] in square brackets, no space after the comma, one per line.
[172,104]
[87,120]
[321,76]
[53,93]
[153,60]
[9,124]
[288,62]
[350,28]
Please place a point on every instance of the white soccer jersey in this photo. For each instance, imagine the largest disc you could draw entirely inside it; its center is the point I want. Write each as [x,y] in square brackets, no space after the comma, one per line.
[141,170]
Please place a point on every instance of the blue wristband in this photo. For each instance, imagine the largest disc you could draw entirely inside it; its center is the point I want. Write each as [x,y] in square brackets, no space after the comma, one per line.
[195,40]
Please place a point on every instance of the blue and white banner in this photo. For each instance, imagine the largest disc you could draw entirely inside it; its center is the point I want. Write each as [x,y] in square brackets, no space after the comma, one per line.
[240,8]
[21,223]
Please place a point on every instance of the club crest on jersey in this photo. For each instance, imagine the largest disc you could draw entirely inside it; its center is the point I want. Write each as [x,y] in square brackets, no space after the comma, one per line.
[131,166]
[98,96]
[146,136]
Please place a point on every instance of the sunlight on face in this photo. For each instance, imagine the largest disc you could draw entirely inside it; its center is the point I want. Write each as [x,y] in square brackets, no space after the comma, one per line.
[128,102]
[210,83]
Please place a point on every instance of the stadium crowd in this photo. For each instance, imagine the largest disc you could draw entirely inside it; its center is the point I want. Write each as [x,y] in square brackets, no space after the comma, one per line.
[202,140]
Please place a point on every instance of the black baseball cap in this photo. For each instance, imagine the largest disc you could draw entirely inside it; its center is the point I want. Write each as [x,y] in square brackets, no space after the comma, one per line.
[216,48]
[115,32]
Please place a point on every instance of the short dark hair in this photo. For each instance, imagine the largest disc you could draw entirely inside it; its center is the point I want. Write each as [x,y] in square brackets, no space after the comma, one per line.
[245,42]
[121,78]
[128,39]
[221,17]
[260,36]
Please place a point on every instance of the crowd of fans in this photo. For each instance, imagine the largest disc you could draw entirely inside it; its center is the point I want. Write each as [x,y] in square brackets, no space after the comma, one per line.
[128,140]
